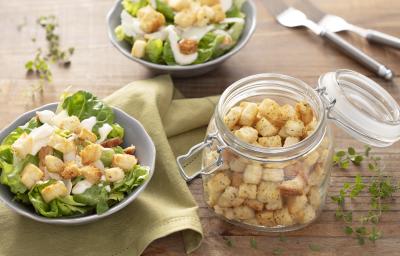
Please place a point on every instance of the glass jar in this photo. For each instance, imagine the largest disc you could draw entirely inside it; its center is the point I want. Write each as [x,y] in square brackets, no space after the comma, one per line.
[284,188]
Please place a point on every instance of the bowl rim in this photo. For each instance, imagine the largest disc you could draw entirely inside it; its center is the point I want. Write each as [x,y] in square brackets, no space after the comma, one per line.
[92,217]
[246,37]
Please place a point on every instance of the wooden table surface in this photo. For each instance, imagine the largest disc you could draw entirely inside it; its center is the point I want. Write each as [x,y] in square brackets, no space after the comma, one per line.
[100,68]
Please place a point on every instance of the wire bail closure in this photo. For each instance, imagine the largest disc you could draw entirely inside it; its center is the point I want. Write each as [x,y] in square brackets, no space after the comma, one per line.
[327,99]
[197,149]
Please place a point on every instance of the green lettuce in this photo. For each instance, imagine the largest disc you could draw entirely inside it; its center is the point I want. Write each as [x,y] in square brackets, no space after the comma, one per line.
[84,105]
[154,50]
[168,55]
[236,10]
[64,206]
[27,128]
[166,10]
[10,174]
[236,31]
[132,179]
[107,156]
[133,7]
[117,131]
[209,47]
[121,36]
[94,196]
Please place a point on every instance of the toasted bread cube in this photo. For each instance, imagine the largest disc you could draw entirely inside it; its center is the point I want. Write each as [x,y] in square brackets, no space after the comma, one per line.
[311,159]
[218,182]
[314,197]
[54,191]
[219,15]
[243,212]
[293,187]
[272,111]
[312,125]
[124,161]
[294,128]
[268,193]
[70,171]
[248,191]
[274,175]
[53,164]
[282,217]
[270,142]
[254,204]
[30,175]
[305,216]
[227,197]
[218,209]
[249,114]
[70,123]
[213,197]
[266,218]
[85,134]
[304,112]
[139,48]
[288,112]
[247,134]
[237,165]
[282,132]
[289,141]
[252,174]
[114,174]
[296,203]
[265,128]
[237,202]
[316,176]
[61,144]
[91,153]
[179,5]
[229,213]
[237,179]
[91,173]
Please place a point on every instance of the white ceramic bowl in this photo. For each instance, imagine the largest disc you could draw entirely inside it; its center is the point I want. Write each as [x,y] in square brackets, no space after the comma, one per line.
[113,20]
[134,134]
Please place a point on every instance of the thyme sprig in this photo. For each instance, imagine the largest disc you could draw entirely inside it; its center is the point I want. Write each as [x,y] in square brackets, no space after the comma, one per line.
[380,189]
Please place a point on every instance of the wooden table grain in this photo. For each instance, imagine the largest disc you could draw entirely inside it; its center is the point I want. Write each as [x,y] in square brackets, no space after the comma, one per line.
[98,67]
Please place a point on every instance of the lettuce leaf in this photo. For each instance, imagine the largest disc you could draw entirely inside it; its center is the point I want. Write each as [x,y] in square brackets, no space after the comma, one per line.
[154,50]
[166,10]
[132,179]
[133,7]
[94,196]
[10,174]
[84,105]
[107,156]
[27,128]
[168,55]
[208,47]
[121,36]
[117,131]
[236,31]
[65,206]
[235,10]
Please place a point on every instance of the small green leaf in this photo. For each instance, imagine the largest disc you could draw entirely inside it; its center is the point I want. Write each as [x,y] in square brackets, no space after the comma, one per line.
[351,151]
[228,241]
[253,243]
[348,230]
[340,153]
[314,247]
[277,251]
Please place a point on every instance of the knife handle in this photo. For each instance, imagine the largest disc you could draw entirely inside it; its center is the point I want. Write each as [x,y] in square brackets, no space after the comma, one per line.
[382,38]
[357,55]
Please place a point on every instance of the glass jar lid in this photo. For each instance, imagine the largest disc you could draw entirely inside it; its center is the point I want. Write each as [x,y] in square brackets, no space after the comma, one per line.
[361,107]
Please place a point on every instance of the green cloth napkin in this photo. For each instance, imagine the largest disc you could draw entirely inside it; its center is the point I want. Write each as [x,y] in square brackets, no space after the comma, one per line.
[165,206]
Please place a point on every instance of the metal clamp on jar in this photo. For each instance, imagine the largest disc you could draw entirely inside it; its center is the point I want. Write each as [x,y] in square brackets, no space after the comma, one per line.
[284,188]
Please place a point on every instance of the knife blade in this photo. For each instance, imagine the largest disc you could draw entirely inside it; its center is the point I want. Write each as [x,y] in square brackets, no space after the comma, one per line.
[291,17]
[322,18]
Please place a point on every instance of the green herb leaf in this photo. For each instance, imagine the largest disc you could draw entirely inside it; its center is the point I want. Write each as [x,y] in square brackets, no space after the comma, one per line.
[348,230]
[253,243]
[314,247]
[228,241]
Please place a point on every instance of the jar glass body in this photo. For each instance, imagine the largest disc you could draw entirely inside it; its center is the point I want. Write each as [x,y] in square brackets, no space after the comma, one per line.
[274,189]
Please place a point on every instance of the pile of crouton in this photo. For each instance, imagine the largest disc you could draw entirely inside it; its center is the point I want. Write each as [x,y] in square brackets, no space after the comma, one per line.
[269,194]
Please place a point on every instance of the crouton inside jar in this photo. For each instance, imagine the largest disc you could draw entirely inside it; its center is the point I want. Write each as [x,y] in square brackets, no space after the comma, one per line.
[269,195]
